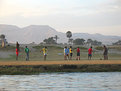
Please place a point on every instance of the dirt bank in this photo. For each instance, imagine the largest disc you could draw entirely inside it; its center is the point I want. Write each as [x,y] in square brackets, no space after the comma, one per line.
[91,62]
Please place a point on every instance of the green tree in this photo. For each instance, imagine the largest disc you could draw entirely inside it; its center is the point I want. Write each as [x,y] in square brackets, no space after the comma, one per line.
[79,41]
[89,41]
[93,42]
[117,43]
[50,41]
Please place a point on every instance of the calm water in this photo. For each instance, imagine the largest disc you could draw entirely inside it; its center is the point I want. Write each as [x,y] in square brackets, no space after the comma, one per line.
[62,82]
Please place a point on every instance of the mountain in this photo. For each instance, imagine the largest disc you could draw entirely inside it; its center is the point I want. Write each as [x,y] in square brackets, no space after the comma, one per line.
[37,33]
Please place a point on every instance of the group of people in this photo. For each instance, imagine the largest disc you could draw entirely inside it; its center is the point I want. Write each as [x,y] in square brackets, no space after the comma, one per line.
[26,51]
[44,50]
[68,52]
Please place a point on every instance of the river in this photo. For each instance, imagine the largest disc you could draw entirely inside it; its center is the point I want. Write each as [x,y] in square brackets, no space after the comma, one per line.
[100,81]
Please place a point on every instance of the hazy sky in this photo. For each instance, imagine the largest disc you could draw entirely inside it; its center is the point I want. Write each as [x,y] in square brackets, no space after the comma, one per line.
[87,16]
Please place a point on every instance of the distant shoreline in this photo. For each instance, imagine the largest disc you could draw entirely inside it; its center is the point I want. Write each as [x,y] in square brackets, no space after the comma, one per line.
[36,67]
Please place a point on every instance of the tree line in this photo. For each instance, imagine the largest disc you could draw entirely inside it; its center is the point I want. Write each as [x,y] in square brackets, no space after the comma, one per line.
[78,41]
[54,40]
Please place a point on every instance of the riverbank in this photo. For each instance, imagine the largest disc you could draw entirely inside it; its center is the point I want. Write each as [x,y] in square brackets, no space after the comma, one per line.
[36,67]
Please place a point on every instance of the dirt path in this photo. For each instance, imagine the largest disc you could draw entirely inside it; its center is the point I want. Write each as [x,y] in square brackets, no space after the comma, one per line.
[59,62]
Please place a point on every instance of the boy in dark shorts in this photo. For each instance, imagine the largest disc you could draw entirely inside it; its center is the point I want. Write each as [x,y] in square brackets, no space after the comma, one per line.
[78,54]
[44,52]
[90,53]
[71,54]
[27,53]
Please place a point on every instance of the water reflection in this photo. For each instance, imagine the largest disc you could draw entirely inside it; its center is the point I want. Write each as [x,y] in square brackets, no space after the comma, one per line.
[62,82]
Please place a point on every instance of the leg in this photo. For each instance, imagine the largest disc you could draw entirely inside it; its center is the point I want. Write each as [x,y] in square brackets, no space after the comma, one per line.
[104,57]
[44,56]
[68,56]
[16,57]
[28,56]
[79,57]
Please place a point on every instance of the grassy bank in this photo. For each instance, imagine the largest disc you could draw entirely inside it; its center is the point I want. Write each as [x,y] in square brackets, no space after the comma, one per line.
[36,69]
[55,52]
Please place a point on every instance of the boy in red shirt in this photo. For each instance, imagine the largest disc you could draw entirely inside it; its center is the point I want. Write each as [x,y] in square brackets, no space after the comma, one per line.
[78,54]
[90,53]
[17,53]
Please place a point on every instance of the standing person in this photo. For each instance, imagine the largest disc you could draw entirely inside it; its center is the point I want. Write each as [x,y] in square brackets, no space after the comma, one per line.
[17,50]
[90,53]
[105,53]
[78,54]
[44,52]
[65,53]
[27,53]
[17,45]
[71,54]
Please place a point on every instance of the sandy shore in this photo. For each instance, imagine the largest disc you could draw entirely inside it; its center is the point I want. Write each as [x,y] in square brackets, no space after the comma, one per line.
[59,62]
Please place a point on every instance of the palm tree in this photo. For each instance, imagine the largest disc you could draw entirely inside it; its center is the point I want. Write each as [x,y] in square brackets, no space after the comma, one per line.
[68,35]
[71,41]
[2,36]
[56,38]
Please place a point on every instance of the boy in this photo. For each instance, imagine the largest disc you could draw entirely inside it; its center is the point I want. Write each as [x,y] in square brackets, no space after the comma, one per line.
[90,53]
[105,53]
[70,52]
[44,52]
[17,52]
[78,54]
[66,53]
[27,53]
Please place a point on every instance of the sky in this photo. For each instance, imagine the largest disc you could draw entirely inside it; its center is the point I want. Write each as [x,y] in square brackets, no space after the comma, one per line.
[78,16]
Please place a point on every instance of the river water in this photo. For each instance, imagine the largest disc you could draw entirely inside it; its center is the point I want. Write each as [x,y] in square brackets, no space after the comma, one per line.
[100,81]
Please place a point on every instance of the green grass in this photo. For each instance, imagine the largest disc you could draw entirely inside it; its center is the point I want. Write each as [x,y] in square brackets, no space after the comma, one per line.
[56,53]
